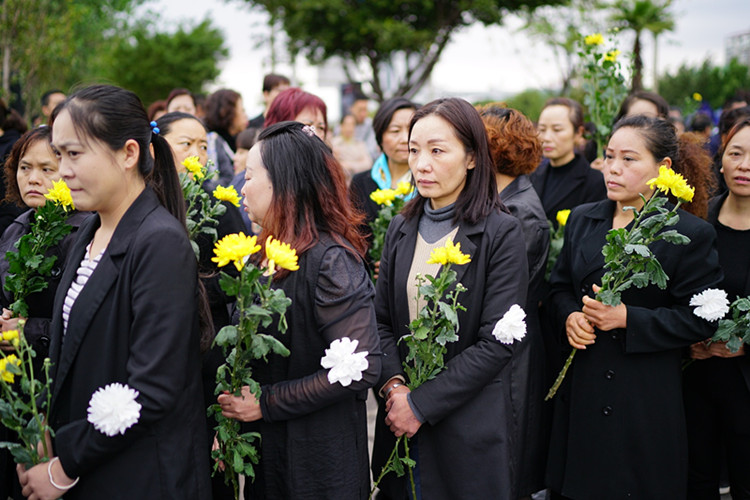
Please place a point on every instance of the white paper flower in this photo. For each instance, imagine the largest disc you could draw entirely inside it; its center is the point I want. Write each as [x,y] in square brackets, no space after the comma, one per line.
[712,304]
[345,364]
[511,326]
[113,409]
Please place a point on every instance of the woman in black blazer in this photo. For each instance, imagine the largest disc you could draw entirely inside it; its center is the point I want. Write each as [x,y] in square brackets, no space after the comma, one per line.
[619,427]
[717,385]
[126,312]
[460,421]
[313,431]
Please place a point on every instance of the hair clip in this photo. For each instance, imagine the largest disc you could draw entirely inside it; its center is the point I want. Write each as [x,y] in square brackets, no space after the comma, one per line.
[309,130]
[154,128]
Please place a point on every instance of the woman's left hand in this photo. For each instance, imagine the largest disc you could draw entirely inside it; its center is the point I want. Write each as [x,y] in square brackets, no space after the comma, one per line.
[35,482]
[605,318]
[400,418]
[245,408]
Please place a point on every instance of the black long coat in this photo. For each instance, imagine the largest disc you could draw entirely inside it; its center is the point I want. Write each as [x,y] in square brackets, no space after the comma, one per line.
[314,433]
[464,446]
[619,426]
[135,322]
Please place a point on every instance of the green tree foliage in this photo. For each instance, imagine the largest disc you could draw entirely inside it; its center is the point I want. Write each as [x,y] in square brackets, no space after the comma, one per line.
[714,83]
[639,16]
[54,44]
[399,41]
[530,102]
[151,63]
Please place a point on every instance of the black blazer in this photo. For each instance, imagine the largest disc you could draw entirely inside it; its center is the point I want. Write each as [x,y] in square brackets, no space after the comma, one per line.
[464,446]
[135,322]
[619,426]
[583,184]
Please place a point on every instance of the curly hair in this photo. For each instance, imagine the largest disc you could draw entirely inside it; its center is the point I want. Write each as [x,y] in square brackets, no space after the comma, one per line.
[514,142]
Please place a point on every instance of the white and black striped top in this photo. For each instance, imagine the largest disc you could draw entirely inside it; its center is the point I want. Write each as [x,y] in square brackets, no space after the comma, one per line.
[85,270]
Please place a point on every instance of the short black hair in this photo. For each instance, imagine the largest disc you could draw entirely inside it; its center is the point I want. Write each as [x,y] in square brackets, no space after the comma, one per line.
[46,95]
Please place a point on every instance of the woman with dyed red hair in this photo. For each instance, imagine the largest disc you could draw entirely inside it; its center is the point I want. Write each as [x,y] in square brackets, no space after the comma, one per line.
[314,432]
[294,104]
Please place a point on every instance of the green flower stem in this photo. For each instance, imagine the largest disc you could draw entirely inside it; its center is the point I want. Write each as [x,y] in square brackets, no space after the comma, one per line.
[560,376]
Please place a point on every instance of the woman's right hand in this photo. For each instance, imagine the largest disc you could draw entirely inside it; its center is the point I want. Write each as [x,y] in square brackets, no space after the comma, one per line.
[579,330]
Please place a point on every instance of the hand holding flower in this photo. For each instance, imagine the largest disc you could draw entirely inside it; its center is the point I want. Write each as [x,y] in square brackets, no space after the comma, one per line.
[400,418]
[579,330]
[604,317]
[35,482]
[245,408]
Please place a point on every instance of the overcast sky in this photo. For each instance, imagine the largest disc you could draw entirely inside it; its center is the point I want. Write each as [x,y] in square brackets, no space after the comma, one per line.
[498,60]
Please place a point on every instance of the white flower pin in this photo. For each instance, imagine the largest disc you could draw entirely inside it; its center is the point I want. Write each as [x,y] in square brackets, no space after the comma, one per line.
[113,409]
[345,364]
[712,304]
[511,326]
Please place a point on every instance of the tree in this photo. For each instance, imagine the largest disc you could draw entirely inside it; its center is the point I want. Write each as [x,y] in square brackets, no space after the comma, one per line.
[53,44]
[152,63]
[639,16]
[715,83]
[560,28]
[398,41]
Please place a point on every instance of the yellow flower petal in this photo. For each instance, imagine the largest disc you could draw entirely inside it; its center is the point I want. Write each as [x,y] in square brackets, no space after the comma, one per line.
[280,254]
[697,97]
[562,217]
[227,194]
[404,188]
[235,248]
[448,254]
[611,55]
[595,39]
[670,181]
[194,166]
[383,196]
[60,194]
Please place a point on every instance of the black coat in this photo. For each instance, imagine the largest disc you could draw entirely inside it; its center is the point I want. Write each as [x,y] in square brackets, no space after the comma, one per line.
[465,444]
[619,427]
[527,387]
[314,433]
[582,184]
[36,330]
[135,322]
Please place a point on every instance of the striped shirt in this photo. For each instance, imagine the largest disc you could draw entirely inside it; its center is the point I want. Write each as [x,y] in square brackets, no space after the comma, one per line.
[85,270]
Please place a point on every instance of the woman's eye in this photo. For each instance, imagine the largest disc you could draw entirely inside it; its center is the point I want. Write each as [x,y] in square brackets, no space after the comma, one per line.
[412,151]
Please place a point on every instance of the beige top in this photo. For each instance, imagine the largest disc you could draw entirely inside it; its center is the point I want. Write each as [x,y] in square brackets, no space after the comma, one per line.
[419,266]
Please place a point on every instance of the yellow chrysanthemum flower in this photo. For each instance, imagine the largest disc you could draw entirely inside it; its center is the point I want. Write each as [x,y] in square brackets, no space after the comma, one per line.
[595,39]
[11,336]
[194,166]
[280,254]
[60,194]
[562,217]
[227,194]
[611,55]
[6,374]
[670,181]
[383,196]
[235,248]
[449,254]
[697,97]
[404,188]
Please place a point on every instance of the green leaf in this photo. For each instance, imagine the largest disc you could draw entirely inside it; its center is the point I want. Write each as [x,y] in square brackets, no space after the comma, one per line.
[227,336]
[641,250]
[672,236]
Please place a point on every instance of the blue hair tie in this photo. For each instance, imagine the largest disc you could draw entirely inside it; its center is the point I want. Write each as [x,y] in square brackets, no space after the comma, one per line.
[154,128]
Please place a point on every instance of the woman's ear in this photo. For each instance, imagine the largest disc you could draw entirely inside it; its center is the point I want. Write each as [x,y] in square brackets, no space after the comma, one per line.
[667,162]
[131,153]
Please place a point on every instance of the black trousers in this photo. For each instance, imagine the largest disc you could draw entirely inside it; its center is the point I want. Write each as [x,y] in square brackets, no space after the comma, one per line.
[717,408]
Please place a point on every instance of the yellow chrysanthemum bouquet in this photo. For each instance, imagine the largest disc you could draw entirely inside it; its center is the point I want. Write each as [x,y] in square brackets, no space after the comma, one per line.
[603,86]
[391,202]
[257,302]
[628,259]
[436,324]
[29,267]
[203,211]
[21,408]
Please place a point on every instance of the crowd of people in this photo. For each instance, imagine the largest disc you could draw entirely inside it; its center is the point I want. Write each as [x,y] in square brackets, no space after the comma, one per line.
[129,301]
